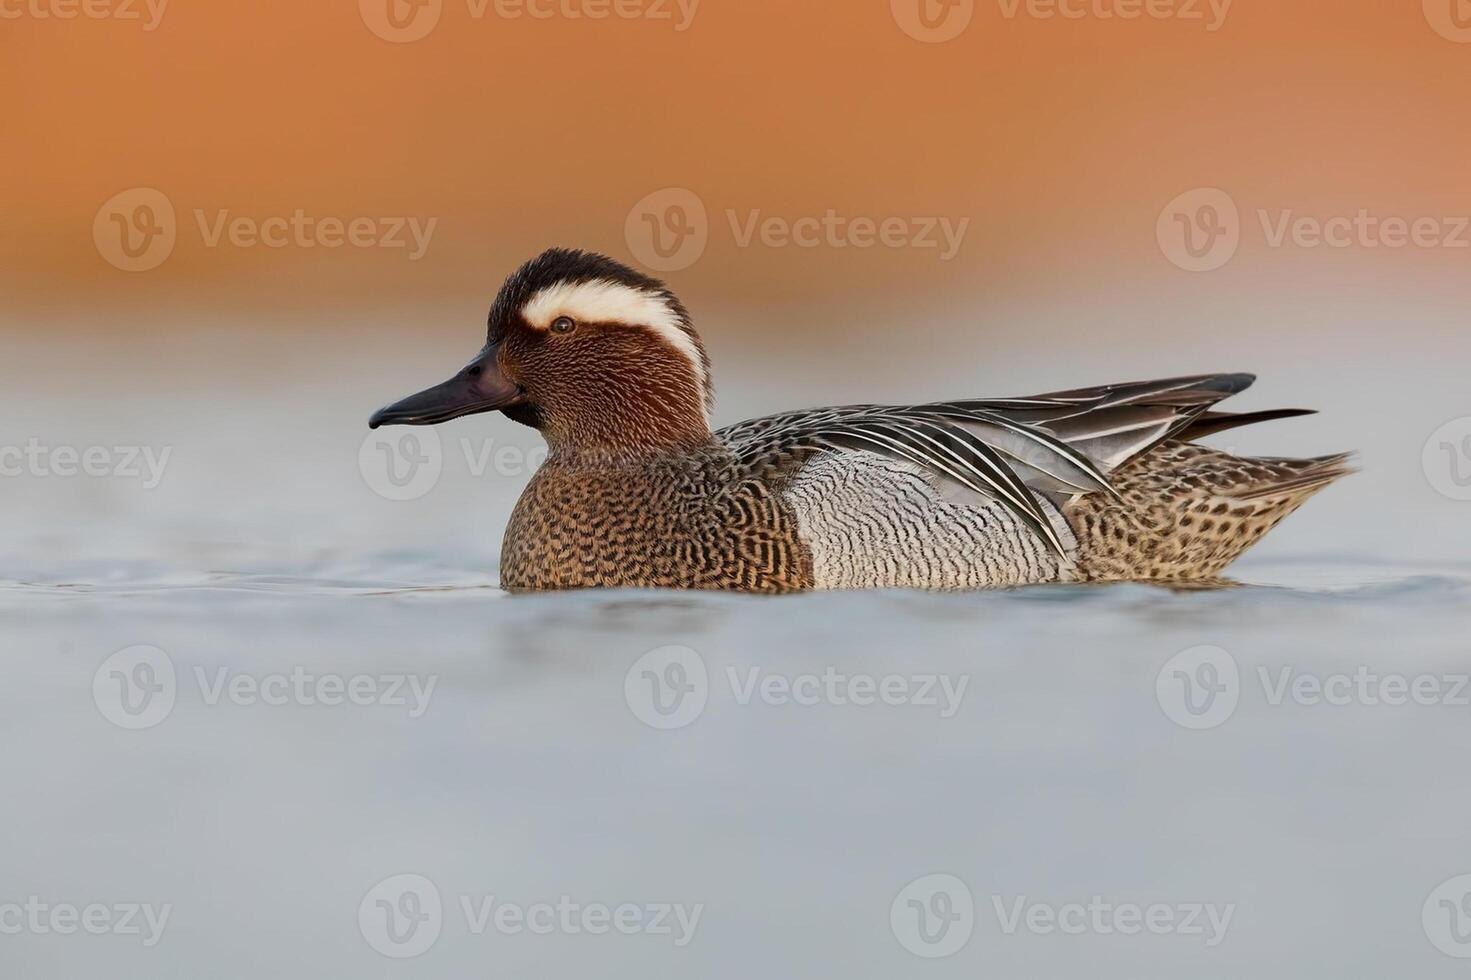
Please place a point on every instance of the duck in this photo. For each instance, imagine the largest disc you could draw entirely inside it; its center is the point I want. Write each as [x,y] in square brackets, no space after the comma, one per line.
[639,490]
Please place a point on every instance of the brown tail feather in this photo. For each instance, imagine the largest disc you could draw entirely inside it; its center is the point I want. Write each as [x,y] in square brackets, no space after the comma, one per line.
[1299,478]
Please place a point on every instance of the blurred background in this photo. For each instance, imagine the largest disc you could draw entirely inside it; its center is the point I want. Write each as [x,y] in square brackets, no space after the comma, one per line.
[1039,170]
[232,231]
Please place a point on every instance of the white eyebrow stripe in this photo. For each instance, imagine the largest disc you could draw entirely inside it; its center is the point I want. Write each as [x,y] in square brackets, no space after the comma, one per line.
[602,301]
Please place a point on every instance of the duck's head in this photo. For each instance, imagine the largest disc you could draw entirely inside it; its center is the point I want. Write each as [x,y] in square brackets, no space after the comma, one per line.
[597,356]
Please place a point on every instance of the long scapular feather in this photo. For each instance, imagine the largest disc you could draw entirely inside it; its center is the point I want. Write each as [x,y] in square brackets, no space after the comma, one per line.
[997,473]
[1077,470]
[978,467]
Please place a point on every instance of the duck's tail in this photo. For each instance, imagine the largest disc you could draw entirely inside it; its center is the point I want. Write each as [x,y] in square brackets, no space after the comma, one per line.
[1186,511]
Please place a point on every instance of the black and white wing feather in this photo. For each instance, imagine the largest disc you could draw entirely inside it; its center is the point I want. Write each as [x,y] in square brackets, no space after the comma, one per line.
[1011,450]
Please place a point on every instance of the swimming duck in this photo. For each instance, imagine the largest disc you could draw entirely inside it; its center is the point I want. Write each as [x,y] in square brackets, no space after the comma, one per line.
[638,490]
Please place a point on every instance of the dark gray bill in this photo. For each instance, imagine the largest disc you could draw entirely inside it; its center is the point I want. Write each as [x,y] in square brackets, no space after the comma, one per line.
[479,387]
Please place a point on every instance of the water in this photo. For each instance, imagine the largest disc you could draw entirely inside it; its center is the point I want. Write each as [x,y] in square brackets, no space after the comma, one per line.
[1061,770]
[527,773]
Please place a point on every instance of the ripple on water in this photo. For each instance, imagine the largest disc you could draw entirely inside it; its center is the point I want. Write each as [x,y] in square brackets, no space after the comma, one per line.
[1264,585]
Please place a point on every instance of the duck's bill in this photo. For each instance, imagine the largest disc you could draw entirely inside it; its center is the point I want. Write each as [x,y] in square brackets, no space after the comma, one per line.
[479,387]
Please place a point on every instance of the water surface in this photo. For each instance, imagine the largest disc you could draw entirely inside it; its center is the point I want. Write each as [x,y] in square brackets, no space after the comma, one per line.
[1060,773]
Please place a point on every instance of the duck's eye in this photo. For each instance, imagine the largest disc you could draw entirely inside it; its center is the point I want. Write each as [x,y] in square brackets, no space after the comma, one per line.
[563,324]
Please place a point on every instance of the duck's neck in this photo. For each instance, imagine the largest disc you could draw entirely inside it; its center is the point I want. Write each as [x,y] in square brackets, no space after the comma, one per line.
[623,452]
[619,434]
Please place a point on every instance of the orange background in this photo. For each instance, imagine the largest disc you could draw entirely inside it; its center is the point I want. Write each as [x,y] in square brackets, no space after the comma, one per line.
[1061,140]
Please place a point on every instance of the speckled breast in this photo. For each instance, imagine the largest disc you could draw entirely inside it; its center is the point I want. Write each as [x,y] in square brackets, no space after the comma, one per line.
[684,522]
